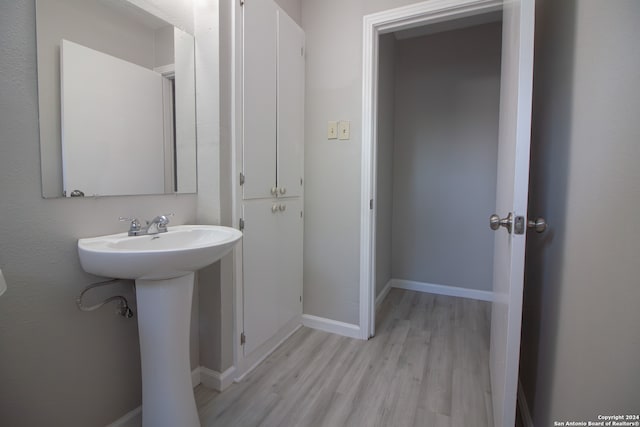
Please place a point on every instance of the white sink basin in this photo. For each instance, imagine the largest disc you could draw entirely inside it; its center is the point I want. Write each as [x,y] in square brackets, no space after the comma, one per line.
[180,251]
[163,266]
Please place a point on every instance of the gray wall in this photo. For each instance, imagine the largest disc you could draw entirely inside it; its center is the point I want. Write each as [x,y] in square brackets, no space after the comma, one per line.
[227,267]
[178,12]
[445,156]
[58,366]
[580,341]
[293,8]
[384,184]
[208,212]
[164,49]
[332,169]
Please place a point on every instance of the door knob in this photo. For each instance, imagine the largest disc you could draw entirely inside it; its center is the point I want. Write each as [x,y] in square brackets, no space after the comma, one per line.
[539,224]
[496,222]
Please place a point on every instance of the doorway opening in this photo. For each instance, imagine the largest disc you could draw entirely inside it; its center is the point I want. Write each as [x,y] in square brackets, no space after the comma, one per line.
[436,165]
[381,33]
[436,157]
[511,173]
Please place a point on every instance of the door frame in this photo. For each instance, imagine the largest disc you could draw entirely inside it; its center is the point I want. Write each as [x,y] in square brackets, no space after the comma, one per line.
[374,25]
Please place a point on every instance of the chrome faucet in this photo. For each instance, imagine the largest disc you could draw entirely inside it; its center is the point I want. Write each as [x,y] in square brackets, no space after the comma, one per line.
[155,226]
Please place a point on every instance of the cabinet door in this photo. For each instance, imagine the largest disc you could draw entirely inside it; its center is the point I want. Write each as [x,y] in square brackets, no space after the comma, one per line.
[261,266]
[290,229]
[272,268]
[290,88]
[259,92]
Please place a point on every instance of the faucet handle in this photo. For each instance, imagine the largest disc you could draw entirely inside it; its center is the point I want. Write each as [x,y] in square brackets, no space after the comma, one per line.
[158,224]
[135,228]
[132,219]
[164,220]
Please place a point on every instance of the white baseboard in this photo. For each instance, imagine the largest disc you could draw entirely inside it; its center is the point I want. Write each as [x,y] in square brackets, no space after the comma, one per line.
[432,288]
[195,377]
[341,328]
[383,294]
[525,415]
[206,376]
[216,380]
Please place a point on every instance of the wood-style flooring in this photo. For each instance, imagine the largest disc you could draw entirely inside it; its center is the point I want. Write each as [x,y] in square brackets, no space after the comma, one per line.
[428,365]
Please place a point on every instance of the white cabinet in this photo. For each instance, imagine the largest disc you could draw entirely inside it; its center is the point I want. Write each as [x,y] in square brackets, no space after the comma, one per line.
[273,72]
[272,257]
[272,170]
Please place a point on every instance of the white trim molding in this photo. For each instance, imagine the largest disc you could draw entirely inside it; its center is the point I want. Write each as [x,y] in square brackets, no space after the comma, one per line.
[328,325]
[525,415]
[383,293]
[216,380]
[401,18]
[200,375]
[432,288]
[168,71]
[195,376]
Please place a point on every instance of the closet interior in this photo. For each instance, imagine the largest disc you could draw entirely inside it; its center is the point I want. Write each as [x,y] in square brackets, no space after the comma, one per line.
[437,155]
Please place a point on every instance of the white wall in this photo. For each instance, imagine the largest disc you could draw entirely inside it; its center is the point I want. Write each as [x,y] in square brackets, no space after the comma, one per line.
[445,156]
[384,185]
[580,341]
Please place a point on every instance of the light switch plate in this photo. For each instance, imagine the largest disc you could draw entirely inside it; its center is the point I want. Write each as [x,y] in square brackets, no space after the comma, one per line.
[344,129]
[332,130]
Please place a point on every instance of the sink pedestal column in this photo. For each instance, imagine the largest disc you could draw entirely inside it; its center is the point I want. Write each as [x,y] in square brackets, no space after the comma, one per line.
[164,317]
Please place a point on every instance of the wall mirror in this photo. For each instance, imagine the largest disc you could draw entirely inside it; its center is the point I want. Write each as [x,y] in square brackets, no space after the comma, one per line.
[116,89]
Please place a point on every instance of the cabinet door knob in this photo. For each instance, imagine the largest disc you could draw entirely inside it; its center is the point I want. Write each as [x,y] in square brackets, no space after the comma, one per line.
[274,208]
[274,191]
[283,190]
[282,208]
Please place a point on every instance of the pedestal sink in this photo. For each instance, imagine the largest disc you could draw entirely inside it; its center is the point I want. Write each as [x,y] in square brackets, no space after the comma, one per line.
[163,267]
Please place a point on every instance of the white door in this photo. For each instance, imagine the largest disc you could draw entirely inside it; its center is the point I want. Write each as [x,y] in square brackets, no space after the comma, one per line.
[109,104]
[290,106]
[259,78]
[512,192]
